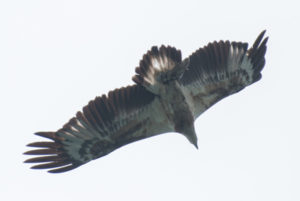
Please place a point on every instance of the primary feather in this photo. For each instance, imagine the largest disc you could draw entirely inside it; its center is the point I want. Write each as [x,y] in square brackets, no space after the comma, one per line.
[168,96]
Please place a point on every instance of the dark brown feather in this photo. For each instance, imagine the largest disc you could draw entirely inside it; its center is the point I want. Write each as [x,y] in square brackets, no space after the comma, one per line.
[44,144]
[49,135]
[45,159]
[42,152]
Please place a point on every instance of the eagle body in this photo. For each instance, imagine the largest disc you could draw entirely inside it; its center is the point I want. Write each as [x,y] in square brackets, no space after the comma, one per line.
[168,95]
[178,110]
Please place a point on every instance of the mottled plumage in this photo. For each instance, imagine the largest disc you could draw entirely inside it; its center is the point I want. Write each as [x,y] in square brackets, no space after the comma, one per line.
[169,94]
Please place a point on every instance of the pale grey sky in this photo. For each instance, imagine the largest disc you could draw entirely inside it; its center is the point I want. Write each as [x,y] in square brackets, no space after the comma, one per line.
[57,55]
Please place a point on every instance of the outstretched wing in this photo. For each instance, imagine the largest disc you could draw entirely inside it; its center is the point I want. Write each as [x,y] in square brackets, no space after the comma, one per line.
[106,123]
[221,69]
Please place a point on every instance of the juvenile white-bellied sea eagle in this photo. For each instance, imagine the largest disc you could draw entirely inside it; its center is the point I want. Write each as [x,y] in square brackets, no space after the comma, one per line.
[168,95]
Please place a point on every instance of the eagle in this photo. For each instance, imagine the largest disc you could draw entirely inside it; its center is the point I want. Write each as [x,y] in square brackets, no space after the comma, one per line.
[168,95]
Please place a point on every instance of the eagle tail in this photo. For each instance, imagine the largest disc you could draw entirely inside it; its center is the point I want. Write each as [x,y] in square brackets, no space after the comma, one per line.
[159,66]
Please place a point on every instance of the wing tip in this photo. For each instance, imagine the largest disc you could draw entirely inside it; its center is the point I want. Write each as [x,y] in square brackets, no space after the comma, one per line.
[56,163]
[257,55]
[49,154]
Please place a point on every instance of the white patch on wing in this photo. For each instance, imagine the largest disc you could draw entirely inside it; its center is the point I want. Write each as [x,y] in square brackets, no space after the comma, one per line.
[161,63]
[155,64]
[234,59]
[248,67]
[235,62]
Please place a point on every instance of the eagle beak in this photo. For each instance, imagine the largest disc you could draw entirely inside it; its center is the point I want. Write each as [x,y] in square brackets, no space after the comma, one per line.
[190,134]
[192,137]
[194,142]
[196,145]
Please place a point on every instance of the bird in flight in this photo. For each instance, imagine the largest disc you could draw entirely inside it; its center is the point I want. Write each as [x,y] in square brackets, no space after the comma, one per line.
[168,95]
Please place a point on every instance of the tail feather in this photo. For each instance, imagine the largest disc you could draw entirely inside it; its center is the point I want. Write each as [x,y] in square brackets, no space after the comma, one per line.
[158,66]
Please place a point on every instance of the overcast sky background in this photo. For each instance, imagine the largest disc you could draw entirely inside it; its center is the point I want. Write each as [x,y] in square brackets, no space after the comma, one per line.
[57,55]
